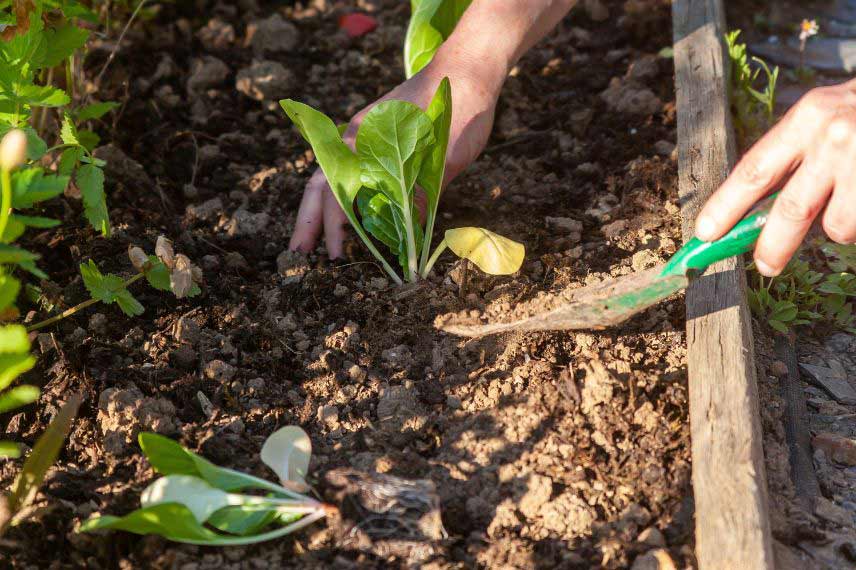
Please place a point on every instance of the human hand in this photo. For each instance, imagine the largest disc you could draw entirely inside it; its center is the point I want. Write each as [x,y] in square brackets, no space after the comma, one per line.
[812,151]
[473,103]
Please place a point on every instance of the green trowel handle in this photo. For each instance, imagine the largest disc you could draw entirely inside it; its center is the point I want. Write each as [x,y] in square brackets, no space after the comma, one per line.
[697,255]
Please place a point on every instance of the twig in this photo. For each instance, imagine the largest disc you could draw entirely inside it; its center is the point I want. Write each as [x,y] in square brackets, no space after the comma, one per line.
[118,44]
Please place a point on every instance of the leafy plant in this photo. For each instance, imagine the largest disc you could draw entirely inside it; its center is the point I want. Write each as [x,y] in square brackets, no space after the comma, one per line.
[753,109]
[29,60]
[164,271]
[398,147]
[431,23]
[197,502]
[804,296]
[33,472]
[15,359]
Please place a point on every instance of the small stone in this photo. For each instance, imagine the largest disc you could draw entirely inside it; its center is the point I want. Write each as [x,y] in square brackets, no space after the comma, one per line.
[399,355]
[207,72]
[614,229]
[644,69]
[219,371]
[340,290]
[356,373]
[538,492]
[454,402]
[98,323]
[236,261]
[565,225]
[588,169]
[256,384]
[837,447]
[378,283]
[664,148]
[329,416]
[246,223]
[652,536]
[626,97]
[596,10]
[206,210]
[190,191]
[187,331]
[272,35]
[216,35]
[654,560]
[210,262]
[828,510]
[183,357]
[235,426]
[265,81]
[779,369]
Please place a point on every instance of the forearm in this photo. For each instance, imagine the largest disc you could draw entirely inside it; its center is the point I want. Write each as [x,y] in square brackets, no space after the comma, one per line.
[493,34]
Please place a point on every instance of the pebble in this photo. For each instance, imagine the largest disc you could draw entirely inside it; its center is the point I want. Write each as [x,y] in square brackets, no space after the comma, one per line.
[329,416]
[246,223]
[187,331]
[614,229]
[210,262]
[216,35]
[566,225]
[235,260]
[779,369]
[272,35]
[219,371]
[340,290]
[207,72]
[98,323]
[206,210]
[654,560]
[837,447]
[664,148]
[265,81]
[627,97]
[183,357]
[454,402]
[652,536]
[378,283]
[356,373]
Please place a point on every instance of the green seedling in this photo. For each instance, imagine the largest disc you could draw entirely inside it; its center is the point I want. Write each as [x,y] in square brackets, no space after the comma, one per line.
[29,61]
[15,359]
[197,502]
[804,296]
[431,23]
[165,271]
[44,454]
[399,146]
[754,110]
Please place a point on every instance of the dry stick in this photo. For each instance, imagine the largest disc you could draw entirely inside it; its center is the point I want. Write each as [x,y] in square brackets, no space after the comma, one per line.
[118,44]
[80,307]
[796,427]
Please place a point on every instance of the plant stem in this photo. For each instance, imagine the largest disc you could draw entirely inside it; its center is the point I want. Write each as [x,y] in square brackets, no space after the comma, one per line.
[412,264]
[5,200]
[430,265]
[386,267]
[426,245]
[80,307]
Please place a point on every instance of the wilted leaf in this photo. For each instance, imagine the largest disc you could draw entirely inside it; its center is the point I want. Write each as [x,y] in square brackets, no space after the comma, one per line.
[287,452]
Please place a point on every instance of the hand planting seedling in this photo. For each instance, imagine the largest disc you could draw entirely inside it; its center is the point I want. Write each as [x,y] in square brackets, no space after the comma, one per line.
[431,23]
[399,146]
[197,502]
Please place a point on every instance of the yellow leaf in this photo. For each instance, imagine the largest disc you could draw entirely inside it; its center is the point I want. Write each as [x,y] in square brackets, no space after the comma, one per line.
[491,252]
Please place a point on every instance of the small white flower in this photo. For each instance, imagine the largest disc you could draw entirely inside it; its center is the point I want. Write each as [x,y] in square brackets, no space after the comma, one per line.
[13,150]
[808,28]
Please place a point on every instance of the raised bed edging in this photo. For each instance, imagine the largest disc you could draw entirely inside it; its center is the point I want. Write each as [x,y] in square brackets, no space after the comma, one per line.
[732,526]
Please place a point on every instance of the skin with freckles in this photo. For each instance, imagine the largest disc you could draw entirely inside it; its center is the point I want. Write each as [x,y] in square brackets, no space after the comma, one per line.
[810,154]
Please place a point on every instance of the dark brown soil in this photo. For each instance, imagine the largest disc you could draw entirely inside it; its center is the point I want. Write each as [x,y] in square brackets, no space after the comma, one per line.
[547,450]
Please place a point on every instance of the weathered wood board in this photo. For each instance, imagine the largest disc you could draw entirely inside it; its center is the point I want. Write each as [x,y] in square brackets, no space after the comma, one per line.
[729,480]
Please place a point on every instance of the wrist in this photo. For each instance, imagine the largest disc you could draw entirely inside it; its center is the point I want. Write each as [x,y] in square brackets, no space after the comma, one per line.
[480,72]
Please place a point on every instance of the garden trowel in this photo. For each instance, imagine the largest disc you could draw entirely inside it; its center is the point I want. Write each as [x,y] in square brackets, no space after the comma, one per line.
[612,302]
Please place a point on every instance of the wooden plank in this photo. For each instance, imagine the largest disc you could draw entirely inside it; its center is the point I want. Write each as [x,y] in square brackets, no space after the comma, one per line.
[729,480]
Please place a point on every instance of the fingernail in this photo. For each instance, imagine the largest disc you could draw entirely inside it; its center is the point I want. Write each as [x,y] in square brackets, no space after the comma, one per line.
[705,228]
[765,269]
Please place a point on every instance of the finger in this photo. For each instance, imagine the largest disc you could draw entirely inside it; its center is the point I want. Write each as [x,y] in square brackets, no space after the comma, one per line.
[334,224]
[839,220]
[799,203]
[307,227]
[758,172]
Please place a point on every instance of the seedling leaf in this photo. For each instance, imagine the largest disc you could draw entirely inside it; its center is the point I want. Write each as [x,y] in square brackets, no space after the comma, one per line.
[90,180]
[491,252]
[17,397]
[199,497]
[287,452]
